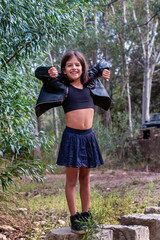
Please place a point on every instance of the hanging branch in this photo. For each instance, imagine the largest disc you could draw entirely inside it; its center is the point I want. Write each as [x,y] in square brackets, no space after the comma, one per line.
[147,22]
[108,4]
[9,60]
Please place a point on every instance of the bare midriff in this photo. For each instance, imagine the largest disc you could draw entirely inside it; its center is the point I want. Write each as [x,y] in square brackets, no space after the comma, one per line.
[80,119]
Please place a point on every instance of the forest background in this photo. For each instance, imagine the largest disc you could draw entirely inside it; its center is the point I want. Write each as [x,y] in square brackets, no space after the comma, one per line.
[34,33]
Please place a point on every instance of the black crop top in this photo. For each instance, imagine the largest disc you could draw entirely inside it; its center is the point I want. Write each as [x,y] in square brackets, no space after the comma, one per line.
[77,99]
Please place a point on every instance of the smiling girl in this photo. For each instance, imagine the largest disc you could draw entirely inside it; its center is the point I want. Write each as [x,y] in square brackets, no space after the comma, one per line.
[78,91]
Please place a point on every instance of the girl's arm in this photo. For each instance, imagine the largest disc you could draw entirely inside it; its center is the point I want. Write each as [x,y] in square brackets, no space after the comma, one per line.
[106,74]
[42,73]
[53,72]
[98,70]
[50,76]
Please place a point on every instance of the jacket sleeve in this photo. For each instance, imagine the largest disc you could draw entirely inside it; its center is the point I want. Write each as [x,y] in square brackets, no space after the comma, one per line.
[98,68]
[42,73]
[55,83]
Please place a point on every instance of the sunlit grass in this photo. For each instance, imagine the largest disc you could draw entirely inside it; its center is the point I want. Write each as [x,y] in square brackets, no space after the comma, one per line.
[46,202]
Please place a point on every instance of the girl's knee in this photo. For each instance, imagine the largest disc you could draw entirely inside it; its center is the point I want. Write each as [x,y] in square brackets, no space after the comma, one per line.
[71,177]
[84,174]
[84,179]
[71,183]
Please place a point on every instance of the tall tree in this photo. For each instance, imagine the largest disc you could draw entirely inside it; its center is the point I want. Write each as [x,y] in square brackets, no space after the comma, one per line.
[124,45]
[148,33]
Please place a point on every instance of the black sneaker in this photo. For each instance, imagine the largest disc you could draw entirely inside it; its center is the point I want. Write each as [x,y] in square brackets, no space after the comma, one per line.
[77,226]
[87,218]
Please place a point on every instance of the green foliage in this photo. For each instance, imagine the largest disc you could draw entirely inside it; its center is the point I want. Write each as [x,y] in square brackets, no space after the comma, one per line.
[18,123]
[25,28]
[28,24]
[117,147]
[29,28]
[15,170]
[16,112]
[106,205]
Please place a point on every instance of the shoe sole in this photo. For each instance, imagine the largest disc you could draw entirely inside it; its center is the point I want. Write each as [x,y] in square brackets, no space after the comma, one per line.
[78,232]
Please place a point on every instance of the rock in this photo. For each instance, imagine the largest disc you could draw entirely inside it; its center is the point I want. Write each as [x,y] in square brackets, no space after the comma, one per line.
[61,222]
[22,210]
[2,237]
[38,224]
[25,194]
[152,209]
[36,196]
[106,234]
[66,234]
[150,220]
[128,232]
[43,223]
[6,228]
[63,234]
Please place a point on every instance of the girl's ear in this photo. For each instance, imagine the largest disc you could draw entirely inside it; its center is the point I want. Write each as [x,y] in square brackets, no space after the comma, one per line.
[63,70]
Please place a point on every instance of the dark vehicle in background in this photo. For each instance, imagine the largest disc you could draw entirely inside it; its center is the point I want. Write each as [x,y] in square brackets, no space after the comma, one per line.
[154,121]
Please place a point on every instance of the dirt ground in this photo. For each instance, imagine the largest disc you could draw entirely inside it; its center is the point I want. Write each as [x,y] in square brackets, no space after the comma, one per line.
[106,180]
[114,178]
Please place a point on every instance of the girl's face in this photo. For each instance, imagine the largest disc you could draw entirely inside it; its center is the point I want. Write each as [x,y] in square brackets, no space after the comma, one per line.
[73,69]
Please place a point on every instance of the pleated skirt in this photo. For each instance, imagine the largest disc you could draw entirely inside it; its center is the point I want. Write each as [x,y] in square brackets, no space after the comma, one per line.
[79,148]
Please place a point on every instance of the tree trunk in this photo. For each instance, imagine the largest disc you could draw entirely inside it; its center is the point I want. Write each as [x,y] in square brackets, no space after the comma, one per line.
[125,70]
[37,150]
[127,74]
[95,50]
[55,122]
[55,115]
[108,120]
[107,117]
[151,55]
[146,96]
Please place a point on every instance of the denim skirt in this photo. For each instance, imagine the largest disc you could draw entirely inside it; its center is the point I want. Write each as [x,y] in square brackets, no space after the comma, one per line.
[79,148]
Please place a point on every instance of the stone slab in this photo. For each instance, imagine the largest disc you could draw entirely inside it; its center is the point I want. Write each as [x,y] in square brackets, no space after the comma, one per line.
[152,209]
[104,234]
[152,221]
[2,237]
[128,232]
[66,234]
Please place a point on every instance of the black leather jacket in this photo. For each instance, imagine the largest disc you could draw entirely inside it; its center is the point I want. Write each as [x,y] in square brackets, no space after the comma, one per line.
[54,90]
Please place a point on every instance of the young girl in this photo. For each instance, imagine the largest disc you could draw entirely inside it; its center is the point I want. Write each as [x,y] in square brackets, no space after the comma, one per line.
[77,90]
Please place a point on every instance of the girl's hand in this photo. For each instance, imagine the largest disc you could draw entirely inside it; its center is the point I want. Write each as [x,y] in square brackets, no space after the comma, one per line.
[106,74]
[53,72]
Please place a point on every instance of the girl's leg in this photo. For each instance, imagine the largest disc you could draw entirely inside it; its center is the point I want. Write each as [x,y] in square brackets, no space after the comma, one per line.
[84,180]
[70,188]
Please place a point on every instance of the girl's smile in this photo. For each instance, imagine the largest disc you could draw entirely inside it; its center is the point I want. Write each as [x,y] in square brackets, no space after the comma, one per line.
[73,69]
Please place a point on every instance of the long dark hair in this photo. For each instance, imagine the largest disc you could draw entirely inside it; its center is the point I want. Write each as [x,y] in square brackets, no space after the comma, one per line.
[81,59]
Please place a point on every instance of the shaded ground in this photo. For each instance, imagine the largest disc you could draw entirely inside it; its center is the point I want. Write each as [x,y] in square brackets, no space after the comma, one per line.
[113,179]
[110,180]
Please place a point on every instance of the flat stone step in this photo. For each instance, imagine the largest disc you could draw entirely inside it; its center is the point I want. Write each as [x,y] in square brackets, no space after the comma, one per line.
[152,221]
[66,234]
[2,237]
[152,209]
[128,232]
